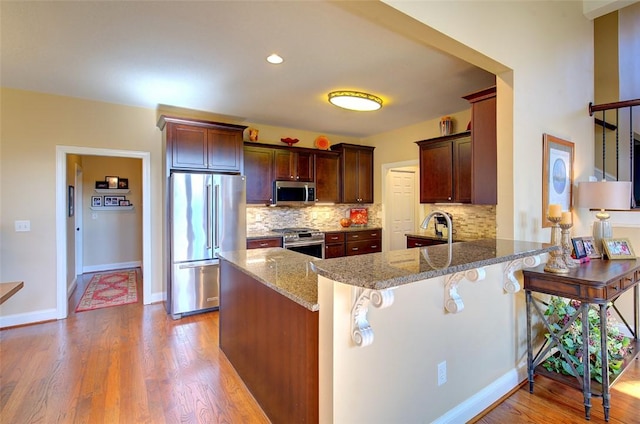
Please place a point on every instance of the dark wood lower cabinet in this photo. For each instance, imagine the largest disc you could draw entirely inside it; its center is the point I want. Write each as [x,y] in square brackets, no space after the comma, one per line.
[273,344]
[264,242]
[421,242]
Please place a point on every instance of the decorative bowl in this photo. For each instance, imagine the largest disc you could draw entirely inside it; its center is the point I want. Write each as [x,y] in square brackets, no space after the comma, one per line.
[345,222]
[289,141]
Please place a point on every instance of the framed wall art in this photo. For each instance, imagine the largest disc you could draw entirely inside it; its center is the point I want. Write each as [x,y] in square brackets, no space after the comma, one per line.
[112,182]
[618,248]
[96,201]
[71,200]
[557,174]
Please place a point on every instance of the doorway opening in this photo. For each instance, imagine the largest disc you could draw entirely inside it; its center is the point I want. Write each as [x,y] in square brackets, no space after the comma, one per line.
[62,153]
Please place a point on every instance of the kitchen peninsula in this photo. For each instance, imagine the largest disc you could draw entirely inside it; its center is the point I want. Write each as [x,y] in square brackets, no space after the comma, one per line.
[296,328]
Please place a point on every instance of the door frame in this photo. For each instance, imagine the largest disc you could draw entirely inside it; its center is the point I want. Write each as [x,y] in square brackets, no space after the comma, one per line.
[77,220]
[61,215]
[386,169]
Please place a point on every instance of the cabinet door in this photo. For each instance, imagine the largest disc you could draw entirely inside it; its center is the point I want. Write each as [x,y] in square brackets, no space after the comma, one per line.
[436,172]
[304,162]
[365,176]
[258,168]
[283,168]
[350,176]
[327,178]
[188,146]
[225,150]
[485,156]
[333,251]
[462,171]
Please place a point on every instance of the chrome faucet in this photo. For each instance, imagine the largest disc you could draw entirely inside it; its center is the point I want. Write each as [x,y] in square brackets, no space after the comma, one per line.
[425,225]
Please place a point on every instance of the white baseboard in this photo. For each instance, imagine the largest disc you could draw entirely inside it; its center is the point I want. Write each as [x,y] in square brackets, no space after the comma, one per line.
[484,398]
[109,267]
[28,318]
[156,298]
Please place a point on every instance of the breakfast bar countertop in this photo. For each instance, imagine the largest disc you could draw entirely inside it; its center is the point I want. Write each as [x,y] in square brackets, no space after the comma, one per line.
[385,270]
[294,275]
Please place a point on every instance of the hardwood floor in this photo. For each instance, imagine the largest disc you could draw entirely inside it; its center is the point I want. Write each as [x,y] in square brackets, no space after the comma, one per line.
[127,364]
[134,364]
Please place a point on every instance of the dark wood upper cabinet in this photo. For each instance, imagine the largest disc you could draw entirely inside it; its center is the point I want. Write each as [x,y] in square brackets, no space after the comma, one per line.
[484,150]
[327,174]
[356,172]
[259,171]
[202,145]
[445,169]
[294,165]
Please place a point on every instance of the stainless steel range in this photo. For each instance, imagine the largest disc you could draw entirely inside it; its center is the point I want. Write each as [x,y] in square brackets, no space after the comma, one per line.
[309,241]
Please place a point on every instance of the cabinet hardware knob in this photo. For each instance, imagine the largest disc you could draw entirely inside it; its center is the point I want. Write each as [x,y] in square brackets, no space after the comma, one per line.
[355,236]
[264,244]
[419,244]
[614,287]
[375,246]
[354,248]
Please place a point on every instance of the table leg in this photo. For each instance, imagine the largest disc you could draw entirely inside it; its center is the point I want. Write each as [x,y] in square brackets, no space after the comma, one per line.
[586,379]
[529,342]
[605,361]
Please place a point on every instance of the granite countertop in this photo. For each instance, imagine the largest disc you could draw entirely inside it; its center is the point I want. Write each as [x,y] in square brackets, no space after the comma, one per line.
[395,268]
[263,235]
[431,236]
[294,275]
[285,271]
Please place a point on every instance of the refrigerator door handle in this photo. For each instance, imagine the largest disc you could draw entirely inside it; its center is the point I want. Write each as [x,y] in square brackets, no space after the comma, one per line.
[208,206]
[198,264]
[217,217]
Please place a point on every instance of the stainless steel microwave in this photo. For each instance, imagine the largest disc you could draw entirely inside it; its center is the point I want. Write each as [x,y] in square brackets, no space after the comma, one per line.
[294,193]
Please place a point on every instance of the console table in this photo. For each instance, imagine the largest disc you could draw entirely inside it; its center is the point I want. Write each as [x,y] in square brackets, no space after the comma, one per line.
[599,282]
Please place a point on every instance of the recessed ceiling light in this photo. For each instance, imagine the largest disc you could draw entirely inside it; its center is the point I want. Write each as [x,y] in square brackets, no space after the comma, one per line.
[275,59]
[355,100]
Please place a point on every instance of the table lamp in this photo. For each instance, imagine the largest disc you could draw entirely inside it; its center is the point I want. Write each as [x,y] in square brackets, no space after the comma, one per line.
[604,195]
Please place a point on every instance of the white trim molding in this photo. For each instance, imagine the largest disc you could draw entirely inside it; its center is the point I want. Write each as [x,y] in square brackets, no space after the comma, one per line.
[361,332]
[452,300]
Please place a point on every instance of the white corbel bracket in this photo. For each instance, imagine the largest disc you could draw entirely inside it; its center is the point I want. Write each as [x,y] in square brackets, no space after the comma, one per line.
[511,282]
[452,300]
[361,332]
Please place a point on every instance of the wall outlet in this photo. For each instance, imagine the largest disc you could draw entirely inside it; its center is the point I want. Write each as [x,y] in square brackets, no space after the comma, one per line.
[23,226]
[442,373]
[258,217]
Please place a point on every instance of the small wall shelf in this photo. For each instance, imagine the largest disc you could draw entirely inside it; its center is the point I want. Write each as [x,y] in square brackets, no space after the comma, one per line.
[112,190]
[111,208]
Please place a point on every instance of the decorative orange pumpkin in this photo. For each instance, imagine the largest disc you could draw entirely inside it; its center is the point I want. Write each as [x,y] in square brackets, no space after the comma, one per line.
[345,222]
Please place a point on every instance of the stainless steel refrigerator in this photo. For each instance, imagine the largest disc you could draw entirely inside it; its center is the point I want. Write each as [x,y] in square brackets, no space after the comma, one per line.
[208,215]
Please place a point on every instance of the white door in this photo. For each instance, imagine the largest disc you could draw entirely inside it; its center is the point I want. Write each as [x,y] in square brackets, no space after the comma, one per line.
[402,206]
[78,219]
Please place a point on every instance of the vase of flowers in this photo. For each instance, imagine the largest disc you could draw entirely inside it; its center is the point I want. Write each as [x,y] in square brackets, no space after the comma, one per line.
[559,313]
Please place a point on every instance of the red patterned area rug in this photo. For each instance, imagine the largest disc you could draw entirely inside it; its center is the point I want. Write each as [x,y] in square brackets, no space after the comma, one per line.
[110,289]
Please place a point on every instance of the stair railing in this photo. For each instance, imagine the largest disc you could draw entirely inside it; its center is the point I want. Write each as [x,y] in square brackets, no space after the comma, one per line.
[617,106]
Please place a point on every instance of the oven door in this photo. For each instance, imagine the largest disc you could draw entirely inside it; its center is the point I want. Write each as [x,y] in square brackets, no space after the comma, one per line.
[315,248]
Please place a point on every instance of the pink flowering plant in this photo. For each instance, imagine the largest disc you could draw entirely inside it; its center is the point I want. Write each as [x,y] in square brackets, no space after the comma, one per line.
[559,313]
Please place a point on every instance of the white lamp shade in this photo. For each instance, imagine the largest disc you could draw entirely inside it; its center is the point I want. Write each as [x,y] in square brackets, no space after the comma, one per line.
[604,195]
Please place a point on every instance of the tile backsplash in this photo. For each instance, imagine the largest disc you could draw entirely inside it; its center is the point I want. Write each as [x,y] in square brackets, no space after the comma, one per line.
[469,221]
[325,217]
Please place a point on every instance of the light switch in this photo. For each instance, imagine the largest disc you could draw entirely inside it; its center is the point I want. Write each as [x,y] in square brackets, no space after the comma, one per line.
[23,226]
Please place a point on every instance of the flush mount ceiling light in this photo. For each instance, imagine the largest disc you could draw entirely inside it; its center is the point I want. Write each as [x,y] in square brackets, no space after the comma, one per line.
[355,100]
[275,59]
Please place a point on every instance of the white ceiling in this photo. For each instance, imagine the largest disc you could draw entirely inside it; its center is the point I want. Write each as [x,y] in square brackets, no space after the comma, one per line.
[210,56]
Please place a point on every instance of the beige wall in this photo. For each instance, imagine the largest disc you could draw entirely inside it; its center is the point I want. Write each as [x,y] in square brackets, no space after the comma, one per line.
[112,239]
[32,125]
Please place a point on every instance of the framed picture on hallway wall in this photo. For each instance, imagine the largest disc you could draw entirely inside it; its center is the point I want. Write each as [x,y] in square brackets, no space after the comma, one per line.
[71,201]
[557,174]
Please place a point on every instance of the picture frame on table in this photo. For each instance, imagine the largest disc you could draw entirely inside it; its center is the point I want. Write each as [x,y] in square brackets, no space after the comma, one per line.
[590,247]
[112,182]
[557,174]
[71,201]
[579,250]
[618,248]
[96,201]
